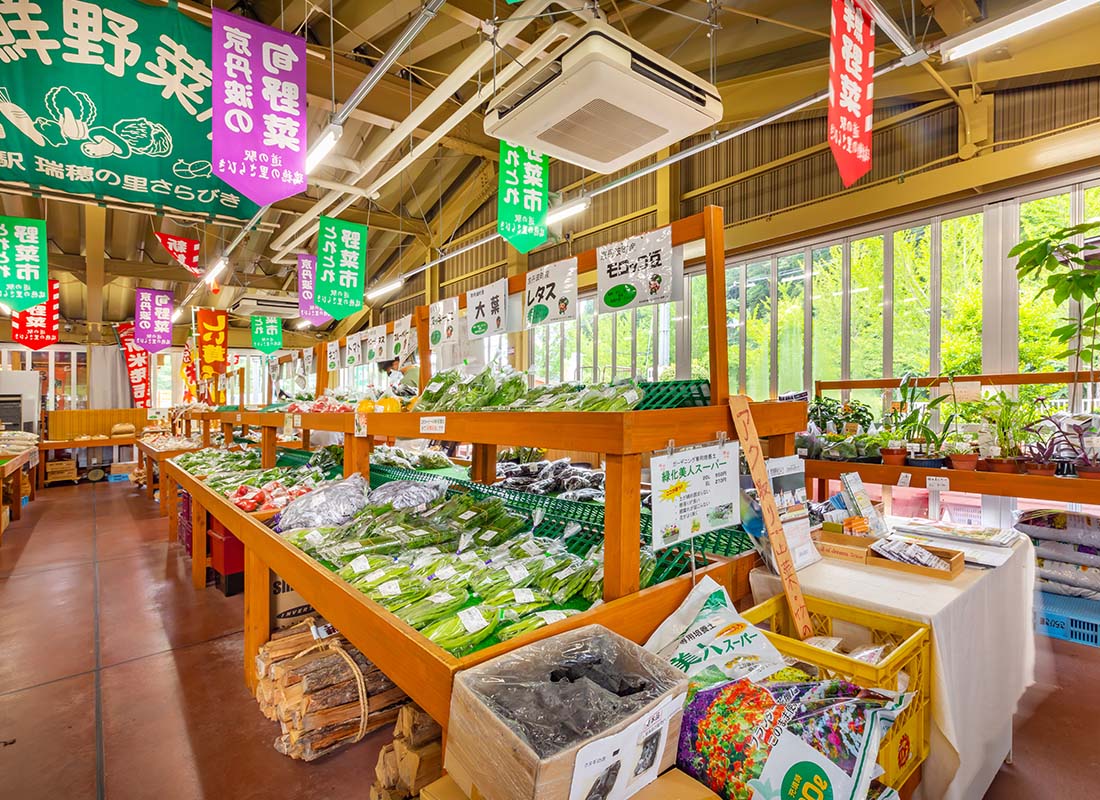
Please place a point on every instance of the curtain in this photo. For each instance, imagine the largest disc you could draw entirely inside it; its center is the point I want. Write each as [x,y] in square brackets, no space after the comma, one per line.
[108,384]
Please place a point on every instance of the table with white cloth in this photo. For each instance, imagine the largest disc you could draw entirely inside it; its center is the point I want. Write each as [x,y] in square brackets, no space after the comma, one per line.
[983,653]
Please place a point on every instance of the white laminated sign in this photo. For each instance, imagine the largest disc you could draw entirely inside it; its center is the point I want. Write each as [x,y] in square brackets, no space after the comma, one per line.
[551,294]
[635,272]
[695,491]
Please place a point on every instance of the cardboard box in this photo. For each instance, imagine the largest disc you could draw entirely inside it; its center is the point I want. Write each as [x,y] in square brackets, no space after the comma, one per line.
[675,785]
[483,751]
[842,547]
[443,789]
[287,606]
[123,467]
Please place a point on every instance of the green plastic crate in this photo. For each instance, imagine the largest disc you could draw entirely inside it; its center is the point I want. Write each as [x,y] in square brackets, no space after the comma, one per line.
[290,457]
[674,394]
[727,542]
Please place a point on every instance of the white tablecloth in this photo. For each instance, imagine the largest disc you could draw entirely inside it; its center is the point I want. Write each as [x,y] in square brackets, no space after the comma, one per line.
[983,654]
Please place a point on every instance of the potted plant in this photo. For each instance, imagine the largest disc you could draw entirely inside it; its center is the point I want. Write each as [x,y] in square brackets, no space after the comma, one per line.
[1086,460]
[1040,457]
[824,410]
[960,452]
[1009,420]
[911,421]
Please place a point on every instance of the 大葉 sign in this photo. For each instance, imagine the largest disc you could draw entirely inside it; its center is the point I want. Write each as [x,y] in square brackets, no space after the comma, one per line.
[110,98]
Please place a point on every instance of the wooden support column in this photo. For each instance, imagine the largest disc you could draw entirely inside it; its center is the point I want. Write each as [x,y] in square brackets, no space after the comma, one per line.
[423,344]
[257,612]
[16,493]
[267,446]
[150,476]
[713,235]
[622,513]
[198,544]
[357,450]
[483,469]
[170,495]
[320,362]
[206,433]
[95,234]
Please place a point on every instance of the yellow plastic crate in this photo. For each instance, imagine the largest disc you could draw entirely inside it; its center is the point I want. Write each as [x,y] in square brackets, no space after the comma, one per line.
[905,746]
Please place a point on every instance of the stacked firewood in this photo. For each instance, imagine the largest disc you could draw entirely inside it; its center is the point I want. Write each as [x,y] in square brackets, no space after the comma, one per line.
[315,693]
[413,760]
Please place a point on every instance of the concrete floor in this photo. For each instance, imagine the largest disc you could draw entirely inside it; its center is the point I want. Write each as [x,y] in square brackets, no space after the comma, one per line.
[118,680]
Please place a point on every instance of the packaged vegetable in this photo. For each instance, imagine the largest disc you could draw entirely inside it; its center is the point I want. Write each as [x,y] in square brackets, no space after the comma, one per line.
[433,607]
[376,577]
[334,504]
[362,565]
[517,603]
[460,633]
[493,580]
[568,579]
[532,622]
[398,592]
[437,389]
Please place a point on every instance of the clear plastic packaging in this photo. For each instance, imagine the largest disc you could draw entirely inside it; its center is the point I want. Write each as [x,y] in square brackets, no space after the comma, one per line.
[408,494]
[330,505]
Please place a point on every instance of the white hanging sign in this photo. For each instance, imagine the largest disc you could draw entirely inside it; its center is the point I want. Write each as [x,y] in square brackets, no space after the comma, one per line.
[442,318]
[332,355]
[353,350]
[694,491]
[376,344]
[402,337]
[273,369]
[635,272]
[487,309]
[307,360]
[551,294]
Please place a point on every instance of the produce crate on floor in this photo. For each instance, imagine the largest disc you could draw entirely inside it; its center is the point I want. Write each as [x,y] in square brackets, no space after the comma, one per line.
[905,746]
[62,470]
[1073,619]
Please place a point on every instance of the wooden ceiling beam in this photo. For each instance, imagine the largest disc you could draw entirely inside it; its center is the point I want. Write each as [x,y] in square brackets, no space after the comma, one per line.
[149,270]
[382,220]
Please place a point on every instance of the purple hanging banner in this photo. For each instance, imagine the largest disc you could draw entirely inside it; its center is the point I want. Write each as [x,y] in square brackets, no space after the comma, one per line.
[153,319]
[307,309]
[259,98]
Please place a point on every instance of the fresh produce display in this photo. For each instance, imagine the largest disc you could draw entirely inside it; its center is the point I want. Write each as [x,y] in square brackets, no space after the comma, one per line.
[210,461]
[384,455]
[532,622]
[593,590]
[330,457]
[433,607]
[399,592]
[334,504]
[514,604]
[408,494]
[325,404]
[462,632]
[559,478]
[568,579]
[162,442]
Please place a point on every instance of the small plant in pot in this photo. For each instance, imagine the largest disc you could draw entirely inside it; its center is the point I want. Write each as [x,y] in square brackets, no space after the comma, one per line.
[1009,422]
[960,453]
[1041,457]
[911,421]
[1086,459]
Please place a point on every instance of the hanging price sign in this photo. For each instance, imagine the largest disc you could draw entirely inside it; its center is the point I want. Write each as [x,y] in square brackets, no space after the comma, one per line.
[551,294]
[487,309]
[404,337]
[636,271]
[376,343]
[353,350]
[332,355]
[442,317]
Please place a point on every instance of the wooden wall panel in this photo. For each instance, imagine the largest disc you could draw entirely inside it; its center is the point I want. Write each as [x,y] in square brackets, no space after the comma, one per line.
[64,425]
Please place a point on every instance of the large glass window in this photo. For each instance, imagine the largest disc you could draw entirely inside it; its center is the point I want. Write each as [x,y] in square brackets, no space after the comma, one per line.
[700,335]
[912,318]
[790,321]
[961,241]
[758,329]
[865,328]
[587,355]
[1038,315]
[827,318]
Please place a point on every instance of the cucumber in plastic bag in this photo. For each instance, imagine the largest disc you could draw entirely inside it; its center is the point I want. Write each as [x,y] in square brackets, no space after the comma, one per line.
[460,633]
[532,622]
[435,606]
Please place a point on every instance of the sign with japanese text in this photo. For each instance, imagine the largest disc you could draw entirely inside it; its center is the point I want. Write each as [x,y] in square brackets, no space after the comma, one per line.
[341,262]
[36,327]
[487,309]
[259,108]
[184,250]
[551,294]
[332,355]
[111,99]
[442,317]
[137,365]
[851,89]
[23,260]
[376,343]
[188,374]
[307,309]
[307,361]
[212,341]
[635,272]
[522,196]
[404,337]
[267,334]
[353,350]
[153,319]
[695,491]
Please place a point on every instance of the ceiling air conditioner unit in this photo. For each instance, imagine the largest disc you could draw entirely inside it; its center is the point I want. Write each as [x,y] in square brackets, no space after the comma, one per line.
[266,306]
[602,101]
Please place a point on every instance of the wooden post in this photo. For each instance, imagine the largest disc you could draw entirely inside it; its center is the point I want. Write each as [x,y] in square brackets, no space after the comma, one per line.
[305,438]
[205,432]
[714,238]
[240,388]
[357,450]
[622,526]
[150,485]
[16,491]
[198,544]
[268,435]
[321,362]
[423,344]
[257,612]
[754,456]
[483,468]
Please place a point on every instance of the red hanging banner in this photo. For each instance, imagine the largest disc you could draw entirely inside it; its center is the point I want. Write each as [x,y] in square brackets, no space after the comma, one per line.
[36,327]
[188,373]
[185,251]
[851,89]
[212,339]
[137,364]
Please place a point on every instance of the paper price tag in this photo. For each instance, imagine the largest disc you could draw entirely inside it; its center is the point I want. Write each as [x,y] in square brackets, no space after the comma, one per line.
[523,595]
[433,424]
[360,564]
[288,426]
[297,420]
[472,620]
[315,539]
[966,391]
[441,597]
[851,428]
[938,484]
[445,572]
[904,478]
[550,617]
[517,573]
[373,576]
[238,418]
[389,588]
[360,424]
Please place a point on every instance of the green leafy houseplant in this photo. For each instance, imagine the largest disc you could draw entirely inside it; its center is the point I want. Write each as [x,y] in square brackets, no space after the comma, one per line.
[1008,421]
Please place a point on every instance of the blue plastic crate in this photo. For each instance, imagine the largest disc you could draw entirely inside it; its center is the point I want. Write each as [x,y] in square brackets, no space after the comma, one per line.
[117,478]
[1074,619]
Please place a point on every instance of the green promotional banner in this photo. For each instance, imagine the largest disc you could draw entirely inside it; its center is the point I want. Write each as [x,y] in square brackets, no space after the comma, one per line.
[267,334]
[23,262]
[522,197]
[341,262]
[110,99]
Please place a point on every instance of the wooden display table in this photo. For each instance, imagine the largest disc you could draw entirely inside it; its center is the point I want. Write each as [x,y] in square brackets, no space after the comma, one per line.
[53,445]
[11,472]
[153,457]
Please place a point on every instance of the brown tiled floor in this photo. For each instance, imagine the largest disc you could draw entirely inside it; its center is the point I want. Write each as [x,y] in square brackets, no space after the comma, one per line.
[164,674]
[155,706]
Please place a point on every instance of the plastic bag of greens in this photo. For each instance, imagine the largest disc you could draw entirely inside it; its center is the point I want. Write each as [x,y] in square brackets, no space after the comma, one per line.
[363,565]
[437,389]
[433,459]
[532,622]
[460,633]
[330,505]
[495,579]
[398,592]
[568,579]
[408,494]
[513,385]
[517,603]
[435,606]
[476,392]
[376,577]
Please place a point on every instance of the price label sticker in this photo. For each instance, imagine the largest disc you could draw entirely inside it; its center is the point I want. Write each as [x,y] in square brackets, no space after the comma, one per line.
[472,620]
[360,424]
[238,418]
[851,428]
[517,573]
[938,484]
[904,478]
[433,424]
[297,420]
[966,391]
[389,589]
[523,595]
[288,426]
[360,564]
[552,616]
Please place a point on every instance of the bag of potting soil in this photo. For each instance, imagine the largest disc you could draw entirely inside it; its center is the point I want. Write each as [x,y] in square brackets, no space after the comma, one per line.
[752,741]
[1074,527]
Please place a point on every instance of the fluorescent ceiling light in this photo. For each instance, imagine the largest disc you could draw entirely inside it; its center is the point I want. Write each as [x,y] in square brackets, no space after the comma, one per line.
[999,30]
[5,308]
[302,325]
[323,146]
[215,271]
[385,288]
[567,210]
[177,314]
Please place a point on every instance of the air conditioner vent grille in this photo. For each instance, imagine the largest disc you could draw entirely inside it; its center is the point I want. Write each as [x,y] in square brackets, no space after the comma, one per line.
[601,131]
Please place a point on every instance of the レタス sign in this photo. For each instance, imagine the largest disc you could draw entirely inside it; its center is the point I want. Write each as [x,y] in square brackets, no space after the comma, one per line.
[635,272]
[851,88]
[36,327]
[259,122]
[442,317]
[551,293]
[487,309]
[694,491]
[341,262]
[522,196]
[23,262]
[267,334]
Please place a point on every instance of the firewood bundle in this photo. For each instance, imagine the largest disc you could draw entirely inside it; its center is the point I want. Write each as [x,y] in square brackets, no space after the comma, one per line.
[413,760]
[315,695]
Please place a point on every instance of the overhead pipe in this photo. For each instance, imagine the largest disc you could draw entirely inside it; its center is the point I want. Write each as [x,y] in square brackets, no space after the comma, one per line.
[559,30]
[523,16]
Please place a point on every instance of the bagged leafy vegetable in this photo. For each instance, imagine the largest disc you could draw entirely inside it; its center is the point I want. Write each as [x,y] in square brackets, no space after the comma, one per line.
[493,580]
[512,387]
[568,579]
[517,603]
[462,632]
[532,622]
[435,606]
[437,390]
[329,505]
[363,565]
[398,592]
[408,494]
[376,577]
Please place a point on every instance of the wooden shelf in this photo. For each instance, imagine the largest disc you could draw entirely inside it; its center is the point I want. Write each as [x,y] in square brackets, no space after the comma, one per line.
[996,484]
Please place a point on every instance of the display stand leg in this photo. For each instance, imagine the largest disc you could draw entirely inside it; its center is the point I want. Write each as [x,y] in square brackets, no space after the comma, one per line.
[187,428]
[206,433]
[33,478]
[170,495]
[150,483]
[357,450]
[257,612]
[198,544]
[622,526]
[305,439]
[483,468]
[782,445]
[162,484]
[41,469]
[16,495]
[267,447]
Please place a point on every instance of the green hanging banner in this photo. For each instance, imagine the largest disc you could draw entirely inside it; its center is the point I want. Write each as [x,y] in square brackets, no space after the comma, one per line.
[267,334]
[341,263]
[23,262]
[522,197]
[112,99]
